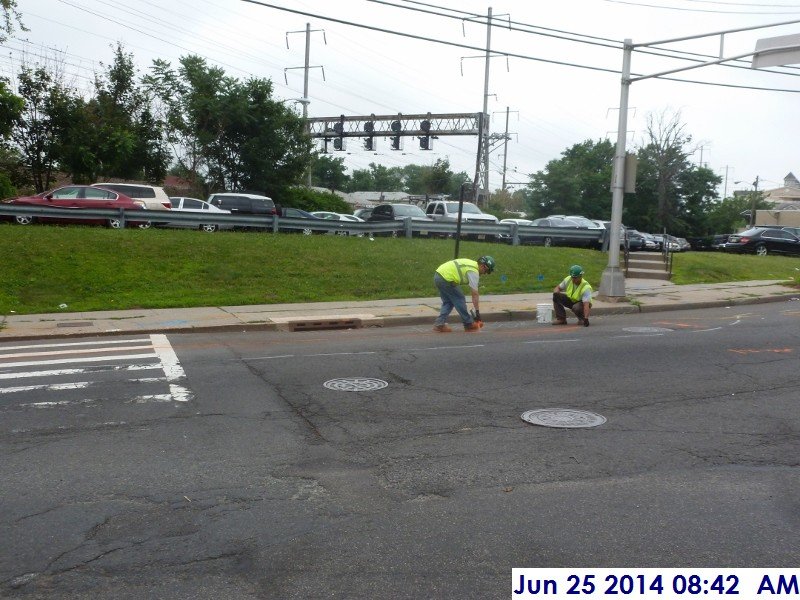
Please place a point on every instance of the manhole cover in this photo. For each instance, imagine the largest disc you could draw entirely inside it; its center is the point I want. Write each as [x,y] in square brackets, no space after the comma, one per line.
[646,329]
[562,417]
[355,384]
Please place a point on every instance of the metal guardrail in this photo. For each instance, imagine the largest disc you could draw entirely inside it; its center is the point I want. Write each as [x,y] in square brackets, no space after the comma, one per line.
[505,232]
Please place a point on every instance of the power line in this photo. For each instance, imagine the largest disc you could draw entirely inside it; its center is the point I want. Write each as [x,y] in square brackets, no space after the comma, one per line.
[500,52]
[702,10]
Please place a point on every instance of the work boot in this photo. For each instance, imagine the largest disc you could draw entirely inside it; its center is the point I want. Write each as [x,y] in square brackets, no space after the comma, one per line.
[560,322]
[442,328]
[472,327]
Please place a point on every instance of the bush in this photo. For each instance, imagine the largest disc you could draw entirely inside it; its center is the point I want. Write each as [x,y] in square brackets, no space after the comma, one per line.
[7,189]
[310,200]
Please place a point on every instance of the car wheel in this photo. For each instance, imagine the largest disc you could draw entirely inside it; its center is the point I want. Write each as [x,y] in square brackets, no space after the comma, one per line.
[761,250]
[23,220]
[209,228]
[395,234]
[145,225]
[115,223]
[548,242]
[307,231]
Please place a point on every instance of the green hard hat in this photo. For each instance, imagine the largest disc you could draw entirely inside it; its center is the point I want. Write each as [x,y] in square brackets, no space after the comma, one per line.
[488,261]
[575,271]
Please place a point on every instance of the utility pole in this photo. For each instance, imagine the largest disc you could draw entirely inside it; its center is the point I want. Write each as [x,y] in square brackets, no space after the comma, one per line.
[505,151]
[485,130]
[305,100]
[753,203]
[725,193]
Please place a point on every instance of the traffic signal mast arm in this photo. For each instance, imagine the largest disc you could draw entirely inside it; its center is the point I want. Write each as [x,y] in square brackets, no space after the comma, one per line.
[399,125]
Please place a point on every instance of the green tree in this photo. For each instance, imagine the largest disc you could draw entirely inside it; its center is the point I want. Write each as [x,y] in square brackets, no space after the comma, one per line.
[129,141]
[8,17]
[37,132]
[665,153]
[577,183]
[11,107]
[727,215]
[231,133]
[671,193]
[329,172]
[377,178]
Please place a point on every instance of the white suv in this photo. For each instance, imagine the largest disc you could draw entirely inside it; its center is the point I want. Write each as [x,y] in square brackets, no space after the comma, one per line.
[154,198]
[439,210]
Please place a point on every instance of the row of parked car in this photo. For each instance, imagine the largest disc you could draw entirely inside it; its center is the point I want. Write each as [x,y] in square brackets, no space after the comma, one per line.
[133,197]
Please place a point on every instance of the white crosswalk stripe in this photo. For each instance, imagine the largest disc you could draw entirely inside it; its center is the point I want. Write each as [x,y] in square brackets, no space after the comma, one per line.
[95,363]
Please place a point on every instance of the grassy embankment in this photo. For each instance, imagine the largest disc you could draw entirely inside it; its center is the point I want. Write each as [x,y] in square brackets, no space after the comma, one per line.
[91,268]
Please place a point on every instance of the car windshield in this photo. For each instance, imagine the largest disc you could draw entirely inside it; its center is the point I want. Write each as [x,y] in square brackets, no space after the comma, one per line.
[408,210]
[469,208]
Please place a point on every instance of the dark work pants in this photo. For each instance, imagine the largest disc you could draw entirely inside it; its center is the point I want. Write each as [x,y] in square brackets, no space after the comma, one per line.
[562,301]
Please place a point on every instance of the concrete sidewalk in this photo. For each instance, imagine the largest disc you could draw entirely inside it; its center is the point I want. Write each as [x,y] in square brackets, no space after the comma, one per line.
[643,295]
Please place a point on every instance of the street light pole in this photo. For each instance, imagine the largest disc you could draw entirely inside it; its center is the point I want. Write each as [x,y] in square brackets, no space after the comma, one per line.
[769,52]
[753,203]
[612,282]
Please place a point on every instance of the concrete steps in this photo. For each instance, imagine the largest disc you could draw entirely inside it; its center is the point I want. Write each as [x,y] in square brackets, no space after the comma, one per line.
[647,265]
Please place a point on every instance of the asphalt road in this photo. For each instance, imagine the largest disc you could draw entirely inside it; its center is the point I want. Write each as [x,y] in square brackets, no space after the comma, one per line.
[220,466]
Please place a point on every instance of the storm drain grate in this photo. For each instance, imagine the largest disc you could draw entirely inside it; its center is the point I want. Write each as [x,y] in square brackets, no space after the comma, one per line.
[76,324]
[355,384]
[562,417]
[321,324]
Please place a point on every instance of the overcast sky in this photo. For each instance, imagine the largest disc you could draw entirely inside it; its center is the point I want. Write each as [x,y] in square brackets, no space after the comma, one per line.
[744,133]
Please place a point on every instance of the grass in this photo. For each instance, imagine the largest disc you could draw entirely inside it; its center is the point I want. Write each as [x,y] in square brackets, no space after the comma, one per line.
[92,268]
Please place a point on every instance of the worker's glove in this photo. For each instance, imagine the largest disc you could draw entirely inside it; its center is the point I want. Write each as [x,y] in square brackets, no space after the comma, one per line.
[586,322]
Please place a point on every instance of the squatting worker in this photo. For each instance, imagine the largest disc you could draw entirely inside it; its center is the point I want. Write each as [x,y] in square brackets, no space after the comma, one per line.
[574,293]
[448,279]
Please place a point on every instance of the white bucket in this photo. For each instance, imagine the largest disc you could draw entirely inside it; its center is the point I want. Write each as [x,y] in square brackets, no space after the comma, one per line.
[544,313]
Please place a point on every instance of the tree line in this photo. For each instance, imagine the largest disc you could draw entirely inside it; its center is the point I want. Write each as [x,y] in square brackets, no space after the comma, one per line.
[672,193]
[220,133]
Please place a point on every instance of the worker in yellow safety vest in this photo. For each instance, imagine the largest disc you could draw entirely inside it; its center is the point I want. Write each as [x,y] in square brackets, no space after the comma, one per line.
[448,279]
[573,293]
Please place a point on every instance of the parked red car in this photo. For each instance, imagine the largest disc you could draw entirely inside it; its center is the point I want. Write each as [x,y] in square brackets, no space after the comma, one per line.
[76,197]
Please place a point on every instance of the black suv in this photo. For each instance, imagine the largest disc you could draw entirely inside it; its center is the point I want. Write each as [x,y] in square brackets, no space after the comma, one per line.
[398,212]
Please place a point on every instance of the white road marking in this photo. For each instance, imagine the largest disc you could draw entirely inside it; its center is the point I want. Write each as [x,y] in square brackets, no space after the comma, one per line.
[57,403]
[61,361]
[52,387]
[154,398]
[55,372]
[81,351]
[163,355]
[704,330]
[62,345]
[638,335]
[340,353]
[172,368]
[446,347]
[549,341]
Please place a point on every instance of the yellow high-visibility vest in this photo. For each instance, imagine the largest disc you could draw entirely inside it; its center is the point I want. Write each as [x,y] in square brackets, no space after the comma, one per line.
[455,271]
[575,292]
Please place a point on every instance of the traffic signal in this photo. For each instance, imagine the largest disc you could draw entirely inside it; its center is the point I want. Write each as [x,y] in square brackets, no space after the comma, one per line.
[338,127]
[369,144]
[396,142]
[425,143]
